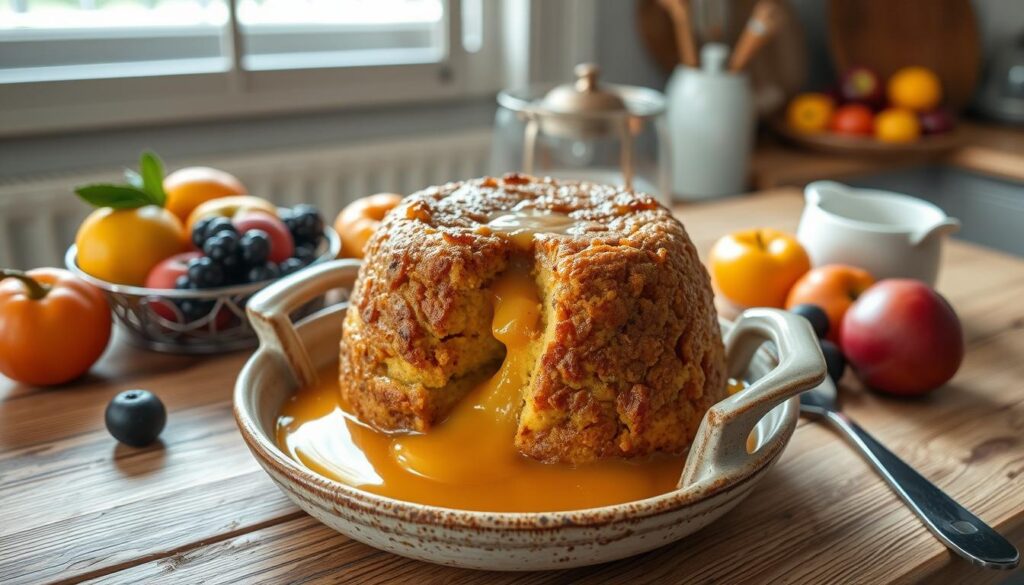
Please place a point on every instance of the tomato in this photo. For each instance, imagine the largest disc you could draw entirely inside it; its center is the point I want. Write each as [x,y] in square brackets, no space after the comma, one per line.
[856,119]
[53,326]
[282,246]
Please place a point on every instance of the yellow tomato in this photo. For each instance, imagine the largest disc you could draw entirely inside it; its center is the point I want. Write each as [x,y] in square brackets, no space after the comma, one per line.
[897,125]
[189,187]
[122,245]
[915,88]
[756,268]
[809,113]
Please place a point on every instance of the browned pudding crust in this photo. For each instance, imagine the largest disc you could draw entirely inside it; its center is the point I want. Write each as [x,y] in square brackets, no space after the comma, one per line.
[630,357]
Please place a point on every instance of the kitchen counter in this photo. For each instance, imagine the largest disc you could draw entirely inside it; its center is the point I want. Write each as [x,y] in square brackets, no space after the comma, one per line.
[196,507]
[985,148]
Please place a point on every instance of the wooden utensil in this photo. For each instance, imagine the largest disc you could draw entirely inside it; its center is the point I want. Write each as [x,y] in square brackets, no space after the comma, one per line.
[760,28]
[679,12]
[883,35]
[778,71]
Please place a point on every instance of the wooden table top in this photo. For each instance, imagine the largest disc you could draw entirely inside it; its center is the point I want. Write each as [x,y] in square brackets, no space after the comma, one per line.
[197,508]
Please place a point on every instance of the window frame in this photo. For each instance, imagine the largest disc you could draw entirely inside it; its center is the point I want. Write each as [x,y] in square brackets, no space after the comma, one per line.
[84,104]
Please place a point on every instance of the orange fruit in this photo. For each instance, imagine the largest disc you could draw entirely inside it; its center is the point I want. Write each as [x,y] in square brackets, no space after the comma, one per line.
[229,207]
[122,245]
[189,187]
[810,113]
[915,88]
[757,267]
[897,125]
[359,220]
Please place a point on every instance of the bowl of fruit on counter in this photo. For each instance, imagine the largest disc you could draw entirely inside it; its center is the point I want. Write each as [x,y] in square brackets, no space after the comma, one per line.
[179,256]
[864,114]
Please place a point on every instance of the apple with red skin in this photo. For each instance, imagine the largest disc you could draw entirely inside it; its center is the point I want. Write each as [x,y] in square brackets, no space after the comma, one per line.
[164,276]
[863,86]
[166,273]
[901,337]
[282,246]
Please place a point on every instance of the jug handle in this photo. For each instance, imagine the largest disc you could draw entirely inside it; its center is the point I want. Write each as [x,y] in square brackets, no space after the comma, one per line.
[948,226]
[814,192]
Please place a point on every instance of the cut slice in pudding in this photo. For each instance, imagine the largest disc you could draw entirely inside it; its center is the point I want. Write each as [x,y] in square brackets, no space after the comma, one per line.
[625,356]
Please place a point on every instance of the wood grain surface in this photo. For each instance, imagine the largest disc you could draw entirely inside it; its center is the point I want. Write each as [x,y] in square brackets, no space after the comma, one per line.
[74,506]
[886,36]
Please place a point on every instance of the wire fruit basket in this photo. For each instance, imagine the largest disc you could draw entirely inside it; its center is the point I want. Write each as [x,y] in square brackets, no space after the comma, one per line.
[154,320]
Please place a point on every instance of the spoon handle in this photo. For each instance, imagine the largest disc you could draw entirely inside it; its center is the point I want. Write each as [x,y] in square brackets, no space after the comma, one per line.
[950,522]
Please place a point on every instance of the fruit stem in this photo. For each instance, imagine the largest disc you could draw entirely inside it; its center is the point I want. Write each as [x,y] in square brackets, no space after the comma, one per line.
[760,240]
[36,289]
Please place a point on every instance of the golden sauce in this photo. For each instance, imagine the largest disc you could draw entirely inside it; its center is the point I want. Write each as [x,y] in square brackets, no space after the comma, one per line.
[469,461]
[521,226]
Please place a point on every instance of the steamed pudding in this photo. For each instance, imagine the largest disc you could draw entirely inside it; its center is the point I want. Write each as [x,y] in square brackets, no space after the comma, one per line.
[573,320]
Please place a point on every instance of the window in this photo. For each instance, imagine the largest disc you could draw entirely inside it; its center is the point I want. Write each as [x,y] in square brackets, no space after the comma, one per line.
[82,63]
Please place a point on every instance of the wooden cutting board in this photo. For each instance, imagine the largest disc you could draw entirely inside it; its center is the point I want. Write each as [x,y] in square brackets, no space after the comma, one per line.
[886,35]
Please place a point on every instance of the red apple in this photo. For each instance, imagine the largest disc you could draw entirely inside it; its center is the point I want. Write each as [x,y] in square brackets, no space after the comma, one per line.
[166,273]
[863,86]
[282,246]
[902,337]
[937,121]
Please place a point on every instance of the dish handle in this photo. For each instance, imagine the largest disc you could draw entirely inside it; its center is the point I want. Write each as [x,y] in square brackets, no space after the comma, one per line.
[269,312]
[719,451]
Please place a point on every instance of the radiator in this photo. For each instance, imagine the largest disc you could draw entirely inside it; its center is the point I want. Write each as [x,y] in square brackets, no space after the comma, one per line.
[40,215]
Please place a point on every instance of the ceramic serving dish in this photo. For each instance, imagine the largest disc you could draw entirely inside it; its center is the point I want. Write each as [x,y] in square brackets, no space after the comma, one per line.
[719,472]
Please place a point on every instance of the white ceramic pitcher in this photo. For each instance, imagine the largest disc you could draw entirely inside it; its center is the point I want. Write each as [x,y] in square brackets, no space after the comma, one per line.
[888,234]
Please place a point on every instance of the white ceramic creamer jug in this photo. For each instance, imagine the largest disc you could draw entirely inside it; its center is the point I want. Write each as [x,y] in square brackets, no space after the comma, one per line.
[888,234]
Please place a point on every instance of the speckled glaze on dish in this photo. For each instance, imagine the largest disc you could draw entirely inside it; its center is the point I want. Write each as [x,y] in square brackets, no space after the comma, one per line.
[719,472]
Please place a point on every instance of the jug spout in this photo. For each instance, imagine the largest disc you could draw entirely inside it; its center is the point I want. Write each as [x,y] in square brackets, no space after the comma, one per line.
[947,226]
[818,191]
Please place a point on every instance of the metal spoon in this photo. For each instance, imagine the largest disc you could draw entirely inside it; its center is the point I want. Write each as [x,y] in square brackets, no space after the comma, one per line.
[950,522]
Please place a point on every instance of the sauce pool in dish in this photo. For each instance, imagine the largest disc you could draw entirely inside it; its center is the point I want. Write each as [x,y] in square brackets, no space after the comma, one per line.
[469,461]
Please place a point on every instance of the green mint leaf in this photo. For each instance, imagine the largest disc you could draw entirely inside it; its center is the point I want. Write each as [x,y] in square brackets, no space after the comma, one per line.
[134,179]
[116,196]
[152,170]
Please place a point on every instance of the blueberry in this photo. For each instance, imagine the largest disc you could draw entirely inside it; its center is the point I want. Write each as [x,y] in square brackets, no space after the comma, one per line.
[306,253]
[307,225]
[218,225]
[193,309]
[267,271]
[291,266]
[816,315]
[205,273]
[221,245]
[288,218]
[135,417]
[835,362]
[235,269]
[183,282]
[255,247]
[199,230]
